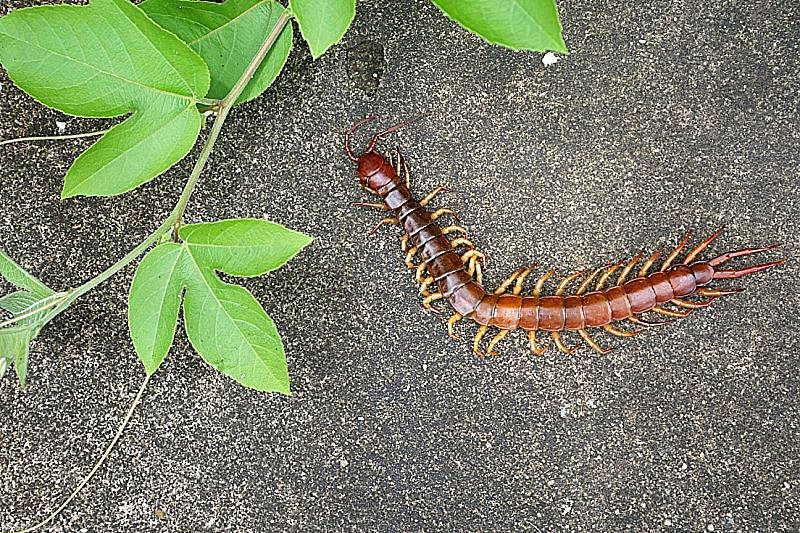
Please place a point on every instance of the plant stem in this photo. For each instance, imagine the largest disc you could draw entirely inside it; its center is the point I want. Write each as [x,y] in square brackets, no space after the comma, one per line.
[54,137]
[177,213]
[98,464]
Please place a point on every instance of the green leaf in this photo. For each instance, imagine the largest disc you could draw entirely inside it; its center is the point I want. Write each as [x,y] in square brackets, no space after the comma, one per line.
[227,36]
[225,323]
[14,346]
[154,302]
[104,60]
[323,22]
[230,330]
[243,247]
[516,24]
[18,302]
[19,277]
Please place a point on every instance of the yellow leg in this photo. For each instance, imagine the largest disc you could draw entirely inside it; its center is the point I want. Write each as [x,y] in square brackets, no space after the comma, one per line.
[584,286]
[372,205]
[474,269]
[537,289]
[627,270]
[671,312]
[676,252]
[404,242]
[451,323]
[521,280]
[423,287]
[422,268]
[621,332]
[387,220]
[593,343]
[410,257]
[650,262]
[430,299]
[451,229]
[686,304]
[566,281]
[607,274]
[431,195]
[492,343]
[509,280]
[534,347]
[563,348]
[444,211]
[461,240]
[476,343]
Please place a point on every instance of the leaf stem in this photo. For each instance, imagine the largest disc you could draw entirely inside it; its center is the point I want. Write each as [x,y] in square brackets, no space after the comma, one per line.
[54,137]
[173,220]
[98,464]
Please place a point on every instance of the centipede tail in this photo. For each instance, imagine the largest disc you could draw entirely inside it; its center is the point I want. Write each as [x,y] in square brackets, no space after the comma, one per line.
[603,298]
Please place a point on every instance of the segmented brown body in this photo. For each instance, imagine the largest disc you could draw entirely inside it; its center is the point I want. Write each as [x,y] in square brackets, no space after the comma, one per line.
[602,306]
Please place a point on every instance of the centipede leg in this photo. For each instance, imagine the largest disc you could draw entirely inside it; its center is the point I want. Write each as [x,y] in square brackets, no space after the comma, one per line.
[702,246]
[741,272]
[372,205]
[686,304]
[650,262]
[388,220]
[648,323]
[410,257]
[621,332]
[563,348]
[462,241]
[534,346]
[404,242]
[431,195]
[430,299]
[625,271]
[445,211]
[671,312]
[716,293]
[454,228]
[476,343]
[421,270]
[451,323]
[593,343]
[423,287]
[497,338]
[676,252]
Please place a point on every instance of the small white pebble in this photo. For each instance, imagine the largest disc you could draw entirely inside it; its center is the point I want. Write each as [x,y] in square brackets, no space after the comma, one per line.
[424,366]
[549,59]
[642,41]
[564,411]
[551,483]
[343,462]
[710,527]
[592,403]
[61,125]
[667,522]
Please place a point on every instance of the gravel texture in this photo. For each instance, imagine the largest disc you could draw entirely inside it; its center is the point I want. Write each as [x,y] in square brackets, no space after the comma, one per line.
[664,117]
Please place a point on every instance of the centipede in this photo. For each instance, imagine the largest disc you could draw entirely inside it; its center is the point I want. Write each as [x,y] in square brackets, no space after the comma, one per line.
[622,298]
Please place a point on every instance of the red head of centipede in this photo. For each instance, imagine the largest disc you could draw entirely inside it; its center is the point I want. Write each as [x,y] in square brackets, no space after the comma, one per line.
[373,170]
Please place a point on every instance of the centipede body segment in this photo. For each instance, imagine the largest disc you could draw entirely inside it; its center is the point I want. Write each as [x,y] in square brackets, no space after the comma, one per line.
[606,297]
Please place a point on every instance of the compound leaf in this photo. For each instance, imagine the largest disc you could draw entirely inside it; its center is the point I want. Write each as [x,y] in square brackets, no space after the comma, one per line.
[323,22]
[230,330]
[18,302]
[14,346]
[227,36]
[153,304]
[225,323]
[104,60]
[243,247]
[516,24]
[21,278]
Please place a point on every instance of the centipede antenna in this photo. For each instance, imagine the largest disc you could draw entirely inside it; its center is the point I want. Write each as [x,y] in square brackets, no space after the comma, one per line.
[738,273]
[391,129]
[349,134]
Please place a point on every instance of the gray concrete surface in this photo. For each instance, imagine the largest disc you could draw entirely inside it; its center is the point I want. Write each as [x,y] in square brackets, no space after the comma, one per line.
[665,117]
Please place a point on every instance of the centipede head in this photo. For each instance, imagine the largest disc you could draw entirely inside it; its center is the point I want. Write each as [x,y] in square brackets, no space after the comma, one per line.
[370,162]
